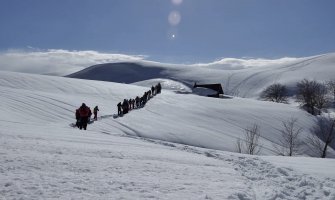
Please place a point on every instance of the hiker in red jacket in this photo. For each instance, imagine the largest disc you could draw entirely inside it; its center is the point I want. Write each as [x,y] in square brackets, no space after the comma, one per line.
[84,116]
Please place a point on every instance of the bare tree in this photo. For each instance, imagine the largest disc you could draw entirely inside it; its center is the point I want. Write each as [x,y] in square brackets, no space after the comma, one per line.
[321,99]
[290,142]
[311,94]
[276,93]
[239,145]
[316,144]
[250,143]
[252,135]
[331,87]
[306,92]
[322,135]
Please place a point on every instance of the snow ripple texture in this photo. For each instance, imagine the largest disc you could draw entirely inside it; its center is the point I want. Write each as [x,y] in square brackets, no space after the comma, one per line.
[264,180]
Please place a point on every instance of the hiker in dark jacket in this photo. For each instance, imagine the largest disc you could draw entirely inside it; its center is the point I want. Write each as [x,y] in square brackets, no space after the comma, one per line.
[77,118]
[130,104]
[119,108]
[144,98]
[149,94]
[153,91]
[137,100]
[95,112]
[125,106]
[159,88]
[133,103]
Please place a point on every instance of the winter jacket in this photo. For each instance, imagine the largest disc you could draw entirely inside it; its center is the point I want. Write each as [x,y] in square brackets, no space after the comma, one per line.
[85,112]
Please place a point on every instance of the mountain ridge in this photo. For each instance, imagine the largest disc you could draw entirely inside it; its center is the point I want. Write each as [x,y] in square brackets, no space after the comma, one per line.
[239,78]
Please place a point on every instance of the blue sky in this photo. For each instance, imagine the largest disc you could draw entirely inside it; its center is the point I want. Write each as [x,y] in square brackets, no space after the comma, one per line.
[207,29]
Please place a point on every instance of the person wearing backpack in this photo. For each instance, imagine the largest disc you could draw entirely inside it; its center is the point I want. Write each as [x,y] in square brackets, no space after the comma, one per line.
[84,115]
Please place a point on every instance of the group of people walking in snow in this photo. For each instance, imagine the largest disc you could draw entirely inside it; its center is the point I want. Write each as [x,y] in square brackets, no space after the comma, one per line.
[138,102]
[84,113]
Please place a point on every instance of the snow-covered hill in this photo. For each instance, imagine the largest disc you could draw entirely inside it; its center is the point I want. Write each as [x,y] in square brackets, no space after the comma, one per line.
[240,77]
[181,118]
[170,149]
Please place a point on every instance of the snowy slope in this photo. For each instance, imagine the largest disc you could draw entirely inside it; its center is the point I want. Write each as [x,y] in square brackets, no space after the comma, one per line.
[165,150]
[240,77]
[181,118]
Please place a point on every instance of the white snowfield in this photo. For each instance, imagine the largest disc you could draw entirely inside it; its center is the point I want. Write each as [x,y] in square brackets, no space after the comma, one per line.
[179,146]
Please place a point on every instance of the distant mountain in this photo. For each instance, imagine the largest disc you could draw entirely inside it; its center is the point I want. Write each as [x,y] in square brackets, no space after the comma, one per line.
[125,72]
[239,77]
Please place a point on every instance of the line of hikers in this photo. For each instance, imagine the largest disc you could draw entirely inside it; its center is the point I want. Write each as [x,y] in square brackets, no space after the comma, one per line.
[84,113]
[138,102]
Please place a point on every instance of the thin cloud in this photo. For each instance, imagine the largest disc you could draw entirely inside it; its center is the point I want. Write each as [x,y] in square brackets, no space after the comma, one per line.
[236,63]
[64,62]
[57,61]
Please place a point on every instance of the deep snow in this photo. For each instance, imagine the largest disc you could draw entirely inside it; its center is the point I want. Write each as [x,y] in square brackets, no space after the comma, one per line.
[170,149]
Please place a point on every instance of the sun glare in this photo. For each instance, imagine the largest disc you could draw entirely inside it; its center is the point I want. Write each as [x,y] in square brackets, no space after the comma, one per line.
[172,34]
[177,2]
[174,18]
